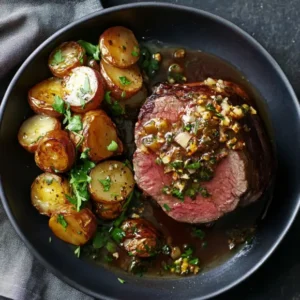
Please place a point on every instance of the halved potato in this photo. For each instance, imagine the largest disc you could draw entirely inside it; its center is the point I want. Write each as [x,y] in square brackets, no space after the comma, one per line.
[34,128]
[42,96]
[111,181]
[108,211]
[76,228]
[119,47]
[84,89]
[55,152]
[99,131]
[48,194]
[123,83]
[66,57]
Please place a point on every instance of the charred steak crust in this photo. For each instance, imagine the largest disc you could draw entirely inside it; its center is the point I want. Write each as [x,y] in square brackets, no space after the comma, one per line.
[241,177]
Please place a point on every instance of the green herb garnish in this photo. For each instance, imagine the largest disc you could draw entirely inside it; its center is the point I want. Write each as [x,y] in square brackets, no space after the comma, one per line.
[115,107]
[113,146]
[108,258]
[111,247]
[117,235]
[92,50]
[135,51]
[194,261]
[204,193]
[59,105]
[210,107]
[167,207]
[193,166]
[106,183]
[177,193]
[121,280]
[198,233]
[77,251]
[57,58]
[49,180]
[124,80]
[61,220]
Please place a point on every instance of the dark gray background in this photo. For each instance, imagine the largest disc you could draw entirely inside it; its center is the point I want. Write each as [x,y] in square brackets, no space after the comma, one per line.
[275,24]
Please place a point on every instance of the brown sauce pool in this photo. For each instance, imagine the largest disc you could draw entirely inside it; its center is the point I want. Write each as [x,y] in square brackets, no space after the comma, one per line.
[233,230]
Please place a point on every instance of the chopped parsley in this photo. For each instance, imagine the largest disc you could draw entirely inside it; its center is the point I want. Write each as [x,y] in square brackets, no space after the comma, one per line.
[193,166]
[85,153]
[187,253]
[194,261]
[117,235]
[167,207]
[110,247]
[77,251]
[61,220]
[128,164]
[177,193]
[113,146]
[203,191]
[135,51]
[121,280]
[106,183]
[101,238]
[124,80]
[92,50]
[210,107]
[57,58]
[198,233]
[59,104]
[149,65]
[114,106]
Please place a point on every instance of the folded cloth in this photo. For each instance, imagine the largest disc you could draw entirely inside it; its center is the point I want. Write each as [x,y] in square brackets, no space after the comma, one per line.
[24,24]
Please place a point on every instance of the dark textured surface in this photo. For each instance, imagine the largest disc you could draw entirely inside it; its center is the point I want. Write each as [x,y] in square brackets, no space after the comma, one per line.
[275,24]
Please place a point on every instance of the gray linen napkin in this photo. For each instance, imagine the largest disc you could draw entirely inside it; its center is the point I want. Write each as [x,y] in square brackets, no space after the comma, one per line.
[24,24]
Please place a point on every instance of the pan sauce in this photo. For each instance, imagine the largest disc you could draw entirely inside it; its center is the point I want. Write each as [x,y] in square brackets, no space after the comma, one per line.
[218,241]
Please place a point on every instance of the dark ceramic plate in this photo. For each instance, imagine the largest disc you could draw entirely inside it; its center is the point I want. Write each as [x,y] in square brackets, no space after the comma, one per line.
[174,25]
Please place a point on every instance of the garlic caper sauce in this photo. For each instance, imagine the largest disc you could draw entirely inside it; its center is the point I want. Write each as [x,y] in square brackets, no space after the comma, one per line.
[190,149]
[211,243]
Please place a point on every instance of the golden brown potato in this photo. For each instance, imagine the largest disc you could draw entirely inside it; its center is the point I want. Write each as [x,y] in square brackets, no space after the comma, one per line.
[99,131]
[119,47]
[84,89]
[108,211]
[66,57]
[42,96]
[48,194]
[123,83]
[55,152]
[141,238]
[111,182]
[76,228]
[34,128]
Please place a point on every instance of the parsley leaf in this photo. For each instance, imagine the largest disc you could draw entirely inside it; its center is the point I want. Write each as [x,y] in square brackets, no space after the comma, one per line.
[194,261]
[106,183]
[121,280]
[187,253]
[107,97]
[114,106]
[92,50]
[57,58]
[75,124]
[59,105]
[61,220]
[135,51]
[124,80]
[85,153]
[100,239]
[176,193]
[77,251]
[167,207]
[113,146]
[193,166]
[198,233]
[117,234]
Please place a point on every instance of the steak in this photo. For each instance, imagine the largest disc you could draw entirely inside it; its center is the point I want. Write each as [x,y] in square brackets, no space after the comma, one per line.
[240,178]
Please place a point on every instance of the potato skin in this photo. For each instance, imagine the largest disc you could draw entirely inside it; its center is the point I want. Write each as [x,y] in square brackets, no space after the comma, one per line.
[141,238]
[81,226]
[73,87]
[120,178]
[73,55]
[117,45]
[99,131]
[41,97]
[48,194]
[55,152]
[112,75]
[107,211]
[34,128]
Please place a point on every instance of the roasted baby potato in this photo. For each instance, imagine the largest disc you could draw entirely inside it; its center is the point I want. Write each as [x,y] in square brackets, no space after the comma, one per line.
[111,182]
[99,132]
[34,128]
[42,96]
[55,152]
[48,194]
[66,57]
[76,228]
[119,47]
[84,89]
[107,210]
[141,238]
[123,83]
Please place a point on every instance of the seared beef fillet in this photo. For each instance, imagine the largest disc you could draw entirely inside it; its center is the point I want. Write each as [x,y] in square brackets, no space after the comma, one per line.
[241,177]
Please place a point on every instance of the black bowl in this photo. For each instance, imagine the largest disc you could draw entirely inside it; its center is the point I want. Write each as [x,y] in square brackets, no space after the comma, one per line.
[175,25]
